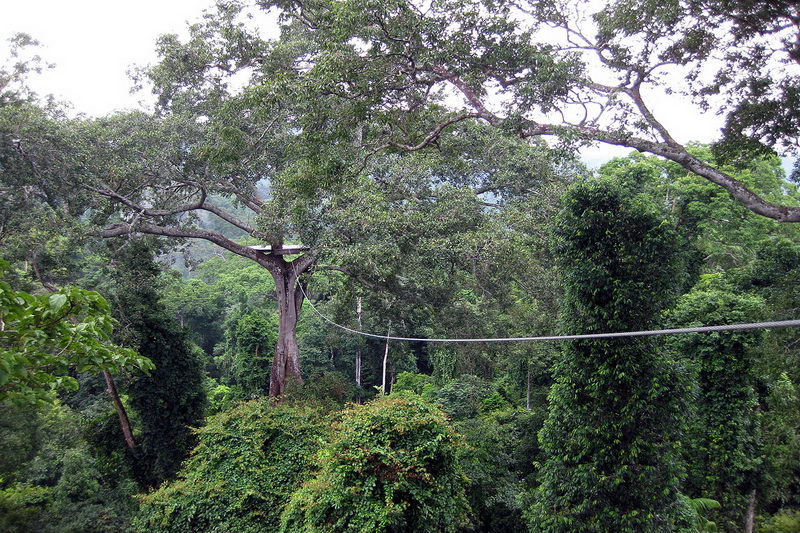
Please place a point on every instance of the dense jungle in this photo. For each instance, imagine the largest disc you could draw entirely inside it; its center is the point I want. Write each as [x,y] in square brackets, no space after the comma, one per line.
[308,291]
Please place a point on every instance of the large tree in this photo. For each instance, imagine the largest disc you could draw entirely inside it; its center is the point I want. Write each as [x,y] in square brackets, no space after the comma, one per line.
[581,71]
[272,170]
[136,173]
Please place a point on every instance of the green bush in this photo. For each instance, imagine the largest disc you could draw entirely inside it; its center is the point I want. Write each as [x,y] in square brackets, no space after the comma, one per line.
[325,389]
[19,504]
[498,459]
[463,397]
[248,462]
[785,521]
[390,466]
[419,383]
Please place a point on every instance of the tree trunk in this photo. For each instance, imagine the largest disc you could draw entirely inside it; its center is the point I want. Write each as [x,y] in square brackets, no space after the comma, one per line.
[290,292]
[121,413]
[386,359]
[750,522]
[528,392]
[358,357]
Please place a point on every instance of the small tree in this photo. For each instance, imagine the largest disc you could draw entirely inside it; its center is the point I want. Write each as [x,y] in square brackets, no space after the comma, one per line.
[44,339]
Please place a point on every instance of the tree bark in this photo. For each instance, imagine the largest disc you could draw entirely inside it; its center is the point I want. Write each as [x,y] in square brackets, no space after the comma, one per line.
[358,356]
[386,359]
[290,292]
[127,432]
[749,526]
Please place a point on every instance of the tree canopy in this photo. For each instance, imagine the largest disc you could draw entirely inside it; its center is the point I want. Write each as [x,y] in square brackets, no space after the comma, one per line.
[582,72]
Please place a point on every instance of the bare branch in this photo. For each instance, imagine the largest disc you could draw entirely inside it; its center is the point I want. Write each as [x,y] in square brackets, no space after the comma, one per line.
[433,134]
[122,229]
[469,94]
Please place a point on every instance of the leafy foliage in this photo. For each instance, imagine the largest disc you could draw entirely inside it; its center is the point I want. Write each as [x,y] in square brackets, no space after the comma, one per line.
[391,465]
[500,451]
[172,399]
[247,463]
[723,440]
[611,439]
[45,338]
[13,87]
[785,521]
[255,337]
[56,483]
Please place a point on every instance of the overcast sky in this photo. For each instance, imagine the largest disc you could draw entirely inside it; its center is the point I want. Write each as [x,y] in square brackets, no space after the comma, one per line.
[94,42]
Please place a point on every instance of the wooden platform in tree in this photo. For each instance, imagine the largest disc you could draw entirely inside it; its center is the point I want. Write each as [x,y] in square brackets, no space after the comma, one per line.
[288,249]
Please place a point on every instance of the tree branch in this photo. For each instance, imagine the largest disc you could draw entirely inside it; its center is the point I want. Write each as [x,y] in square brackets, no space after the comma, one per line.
[122,229]
[677,153]
[110,193]
[229,218]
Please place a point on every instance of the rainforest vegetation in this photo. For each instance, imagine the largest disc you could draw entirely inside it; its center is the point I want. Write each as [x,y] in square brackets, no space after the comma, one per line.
[287,297]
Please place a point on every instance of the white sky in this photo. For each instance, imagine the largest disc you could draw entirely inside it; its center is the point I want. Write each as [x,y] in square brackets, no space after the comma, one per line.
[93,43]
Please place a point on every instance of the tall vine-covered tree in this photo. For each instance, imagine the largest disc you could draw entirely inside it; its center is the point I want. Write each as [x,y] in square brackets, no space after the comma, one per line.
[611,441]
[724,436]
[171,400]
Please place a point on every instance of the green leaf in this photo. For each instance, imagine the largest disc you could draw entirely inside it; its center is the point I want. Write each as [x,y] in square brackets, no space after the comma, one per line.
[57,301]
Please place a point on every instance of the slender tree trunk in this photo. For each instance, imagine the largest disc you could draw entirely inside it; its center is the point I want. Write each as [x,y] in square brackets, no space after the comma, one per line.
[121,413]
[749,526]
[386,359]
[528,393]
[358,356]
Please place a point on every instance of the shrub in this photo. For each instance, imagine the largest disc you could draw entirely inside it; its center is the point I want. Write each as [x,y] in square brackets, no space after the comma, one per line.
[390,466]
[785,521]
[248,462]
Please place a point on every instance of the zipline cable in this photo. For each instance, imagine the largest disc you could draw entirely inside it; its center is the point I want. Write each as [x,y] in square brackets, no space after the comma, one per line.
[675,331]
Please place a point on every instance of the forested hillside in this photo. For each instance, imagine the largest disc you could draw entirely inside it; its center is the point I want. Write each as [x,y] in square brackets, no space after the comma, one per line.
[300,294]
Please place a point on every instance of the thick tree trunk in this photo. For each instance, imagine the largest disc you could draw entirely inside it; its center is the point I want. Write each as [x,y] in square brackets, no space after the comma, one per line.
[127,432]
[289,289]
